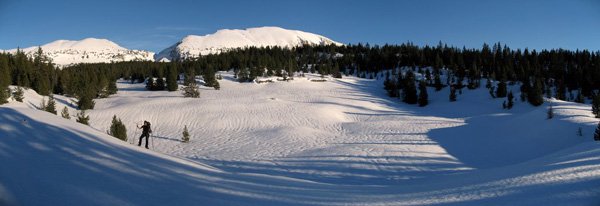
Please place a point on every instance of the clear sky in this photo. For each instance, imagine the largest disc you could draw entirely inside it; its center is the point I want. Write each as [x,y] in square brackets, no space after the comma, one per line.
[154,25]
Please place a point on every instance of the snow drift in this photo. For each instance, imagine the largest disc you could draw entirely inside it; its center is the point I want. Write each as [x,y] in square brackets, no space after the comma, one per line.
[340,142]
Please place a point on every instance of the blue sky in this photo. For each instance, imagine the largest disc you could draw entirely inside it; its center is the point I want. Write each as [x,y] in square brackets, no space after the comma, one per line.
[155,25]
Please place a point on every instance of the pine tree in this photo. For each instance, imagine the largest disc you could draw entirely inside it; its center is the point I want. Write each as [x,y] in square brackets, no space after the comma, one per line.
[452,94]
[160,84]
[51,105]
[535,95]
[423,97]
[410,89]
[510,98]
[172,78]
[18,94]
[597,133]
[191,90]
[437,82]
[150,84]
[86,101]
[186,134]
[65,113]
[112,87]
[4,95]
[82,118]
[501,90]
[117,129]
[596,105]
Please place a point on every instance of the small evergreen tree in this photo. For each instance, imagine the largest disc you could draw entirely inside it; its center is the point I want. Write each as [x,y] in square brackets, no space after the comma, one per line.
[150,84]
[18,94]
[437,82]
[191,90]
[4,95]
[51,105]
[160,84]
[65,113]
[501,90]
[112,87]
[510,99]
[423,97]
[596,105]
[186,134]
[410,89]
[550,112]
[535,95]
[82,118]
[117,129]
[452,94]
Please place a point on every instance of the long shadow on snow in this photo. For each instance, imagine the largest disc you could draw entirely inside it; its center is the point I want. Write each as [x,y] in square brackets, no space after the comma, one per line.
[84,169]
[486,141]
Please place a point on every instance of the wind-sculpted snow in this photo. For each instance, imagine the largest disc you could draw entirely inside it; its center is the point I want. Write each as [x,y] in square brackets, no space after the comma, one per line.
[339,142]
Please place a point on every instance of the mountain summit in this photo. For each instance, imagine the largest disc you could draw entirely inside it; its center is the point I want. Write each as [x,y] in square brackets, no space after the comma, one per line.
[89,50]
[226,39]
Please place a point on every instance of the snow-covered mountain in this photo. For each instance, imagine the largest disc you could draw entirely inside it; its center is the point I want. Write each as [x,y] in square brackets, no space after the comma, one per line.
[226,39]
[90,50]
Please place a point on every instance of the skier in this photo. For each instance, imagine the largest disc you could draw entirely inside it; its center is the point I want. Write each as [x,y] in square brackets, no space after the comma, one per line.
[145,133]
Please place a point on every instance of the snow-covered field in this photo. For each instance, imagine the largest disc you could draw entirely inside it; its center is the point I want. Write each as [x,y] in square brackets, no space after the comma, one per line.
[340,142]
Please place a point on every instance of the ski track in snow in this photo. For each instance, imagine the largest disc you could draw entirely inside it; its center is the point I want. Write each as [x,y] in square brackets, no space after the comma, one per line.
[340,142]
[327,131]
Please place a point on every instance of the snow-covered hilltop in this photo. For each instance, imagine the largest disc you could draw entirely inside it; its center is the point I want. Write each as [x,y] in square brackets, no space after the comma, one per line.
[226,39]
[89,50]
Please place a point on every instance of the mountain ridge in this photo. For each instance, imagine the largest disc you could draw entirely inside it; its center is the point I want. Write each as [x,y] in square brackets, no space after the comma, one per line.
[226,39]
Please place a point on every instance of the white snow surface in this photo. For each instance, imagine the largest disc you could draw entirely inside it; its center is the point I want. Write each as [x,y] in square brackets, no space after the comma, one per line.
[339,142]
[89,50]
[226,39]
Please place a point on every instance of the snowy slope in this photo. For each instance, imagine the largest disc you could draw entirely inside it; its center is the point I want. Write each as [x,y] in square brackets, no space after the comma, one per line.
[223,40]
[90,50]
[340,142]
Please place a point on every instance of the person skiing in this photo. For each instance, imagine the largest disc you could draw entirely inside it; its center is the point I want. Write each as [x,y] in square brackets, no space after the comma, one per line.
[145,133]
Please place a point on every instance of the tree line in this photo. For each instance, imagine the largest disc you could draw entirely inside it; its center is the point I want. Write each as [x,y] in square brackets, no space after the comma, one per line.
[563,70]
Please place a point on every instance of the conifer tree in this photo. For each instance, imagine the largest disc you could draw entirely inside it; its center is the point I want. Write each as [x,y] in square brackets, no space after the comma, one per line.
[423,97]
[112,87]
[596,105]
[160,84]
[82,118]
[410,89]
[4,95]
[150,84]
[51,105]
[18,94]
[452,94]
[117,129]
[186,134]
[437,82]
[501,90]
[172,77]
[535,95]
[510,99]
[65,113]
[86,101]
[191,90]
